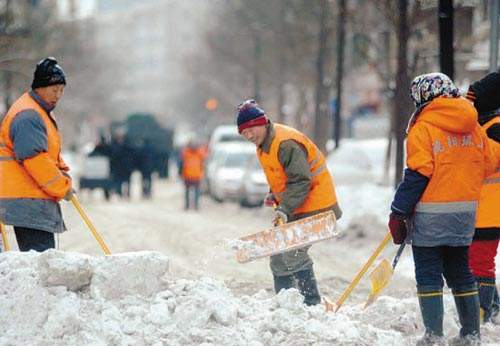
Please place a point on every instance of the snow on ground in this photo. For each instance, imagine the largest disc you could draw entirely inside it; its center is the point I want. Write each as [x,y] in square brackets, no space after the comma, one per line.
[173,281]
[65,298]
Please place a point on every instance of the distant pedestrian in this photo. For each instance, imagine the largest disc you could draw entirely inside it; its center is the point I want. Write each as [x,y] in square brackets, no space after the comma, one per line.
[146,161]
[191,169]
[121,163]
[448,157]
[33,174]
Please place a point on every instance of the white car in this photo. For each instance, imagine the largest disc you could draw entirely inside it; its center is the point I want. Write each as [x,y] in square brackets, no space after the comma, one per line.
[225,133]
[229,167]
[254,187]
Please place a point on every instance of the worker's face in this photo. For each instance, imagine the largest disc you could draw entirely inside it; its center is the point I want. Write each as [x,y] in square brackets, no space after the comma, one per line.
[51,94]
[255,134]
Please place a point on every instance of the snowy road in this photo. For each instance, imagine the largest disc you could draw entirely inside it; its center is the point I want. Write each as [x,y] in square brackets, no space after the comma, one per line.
[195,241]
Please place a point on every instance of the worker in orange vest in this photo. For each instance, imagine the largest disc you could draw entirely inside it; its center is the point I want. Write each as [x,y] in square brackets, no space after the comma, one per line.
[300,185]
[32,173]
[448,157]
[485,94]
[191,168]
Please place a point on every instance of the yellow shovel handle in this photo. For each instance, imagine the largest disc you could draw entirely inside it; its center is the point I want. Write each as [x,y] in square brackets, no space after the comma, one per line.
[90,225]
[362,271]
[5,240]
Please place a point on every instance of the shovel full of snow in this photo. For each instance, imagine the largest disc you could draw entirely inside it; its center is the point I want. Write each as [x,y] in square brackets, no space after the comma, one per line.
[381,276]
[89,224]
[5,240]
[286,237]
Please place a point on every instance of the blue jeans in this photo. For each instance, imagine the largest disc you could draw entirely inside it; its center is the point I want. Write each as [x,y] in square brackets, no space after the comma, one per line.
[195,187]
[434,263]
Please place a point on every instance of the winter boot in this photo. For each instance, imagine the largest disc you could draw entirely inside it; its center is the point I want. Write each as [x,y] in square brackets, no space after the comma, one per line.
[486,293]
[308,286]
[283,282]
[467,303]
[495,307]
[430,299]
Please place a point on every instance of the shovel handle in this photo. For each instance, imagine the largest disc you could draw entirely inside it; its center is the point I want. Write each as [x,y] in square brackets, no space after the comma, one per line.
[398,254]
[89,224]
[362,271]
[5,240]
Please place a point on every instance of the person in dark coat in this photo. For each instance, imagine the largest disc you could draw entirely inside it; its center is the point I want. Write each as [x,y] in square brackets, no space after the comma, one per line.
[146,161]
[121,164]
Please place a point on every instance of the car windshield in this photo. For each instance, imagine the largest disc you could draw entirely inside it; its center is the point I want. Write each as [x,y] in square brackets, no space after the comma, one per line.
[236,159]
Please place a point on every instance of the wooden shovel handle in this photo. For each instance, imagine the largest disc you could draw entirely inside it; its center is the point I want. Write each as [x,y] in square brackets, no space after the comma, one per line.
[5,240]
[362,271]
[89,224]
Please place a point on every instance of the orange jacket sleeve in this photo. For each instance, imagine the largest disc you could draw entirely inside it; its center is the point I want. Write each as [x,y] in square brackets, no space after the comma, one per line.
[419,151]
[491,150]
[48,175]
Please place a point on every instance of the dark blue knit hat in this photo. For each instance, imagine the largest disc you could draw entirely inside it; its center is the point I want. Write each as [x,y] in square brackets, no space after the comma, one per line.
[249,115]
[48,72]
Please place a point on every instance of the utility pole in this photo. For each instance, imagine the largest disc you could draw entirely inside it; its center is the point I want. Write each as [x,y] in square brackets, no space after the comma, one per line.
[257,59]
[494,5]
[401,98]
[340,70]
[445,15]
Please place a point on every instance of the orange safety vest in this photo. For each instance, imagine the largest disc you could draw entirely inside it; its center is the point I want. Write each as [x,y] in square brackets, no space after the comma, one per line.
[447,145]
[488,214]
[322,192]
[40,176]
[192,164]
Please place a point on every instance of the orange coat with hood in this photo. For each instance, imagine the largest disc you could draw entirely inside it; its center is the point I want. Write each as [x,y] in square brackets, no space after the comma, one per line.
[446,144]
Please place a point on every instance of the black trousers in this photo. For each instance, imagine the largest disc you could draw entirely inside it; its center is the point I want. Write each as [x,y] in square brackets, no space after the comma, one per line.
[34,239]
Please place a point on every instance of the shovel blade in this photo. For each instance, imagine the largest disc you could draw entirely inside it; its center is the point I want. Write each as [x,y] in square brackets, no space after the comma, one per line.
[379,279]
[287,237]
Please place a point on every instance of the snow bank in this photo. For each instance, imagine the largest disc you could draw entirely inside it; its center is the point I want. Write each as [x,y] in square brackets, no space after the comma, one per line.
[60,298]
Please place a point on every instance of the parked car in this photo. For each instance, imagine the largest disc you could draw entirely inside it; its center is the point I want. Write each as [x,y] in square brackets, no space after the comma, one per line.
[224,133]
[95,174]
[254,187]
[228,170]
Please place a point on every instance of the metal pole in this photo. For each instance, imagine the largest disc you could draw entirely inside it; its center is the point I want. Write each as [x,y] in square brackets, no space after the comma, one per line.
[445,15]
[340,71]
[494,4]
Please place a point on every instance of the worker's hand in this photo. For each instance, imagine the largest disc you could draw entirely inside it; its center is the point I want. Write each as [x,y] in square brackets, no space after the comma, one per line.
[280,217]
[270,201]
[69,194]
[398,228]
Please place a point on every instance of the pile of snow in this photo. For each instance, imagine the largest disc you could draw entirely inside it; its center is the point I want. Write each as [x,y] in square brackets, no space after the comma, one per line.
[61,298]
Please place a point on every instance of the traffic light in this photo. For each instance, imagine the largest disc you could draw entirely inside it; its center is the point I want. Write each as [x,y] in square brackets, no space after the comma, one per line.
[211,104]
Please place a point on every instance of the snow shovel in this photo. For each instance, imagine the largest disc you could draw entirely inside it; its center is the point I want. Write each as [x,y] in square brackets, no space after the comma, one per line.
[286,237]
[5,240]
[90,225]
[336,306]
[381,276]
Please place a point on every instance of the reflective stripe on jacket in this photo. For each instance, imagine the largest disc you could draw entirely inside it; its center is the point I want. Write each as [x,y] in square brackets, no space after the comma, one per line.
[322,193]
[192,164]
[488,213]
[39,176]
[447,145]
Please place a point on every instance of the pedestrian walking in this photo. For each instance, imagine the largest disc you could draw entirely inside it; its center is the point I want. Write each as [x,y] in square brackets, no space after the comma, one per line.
[191,169]
[301,186]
